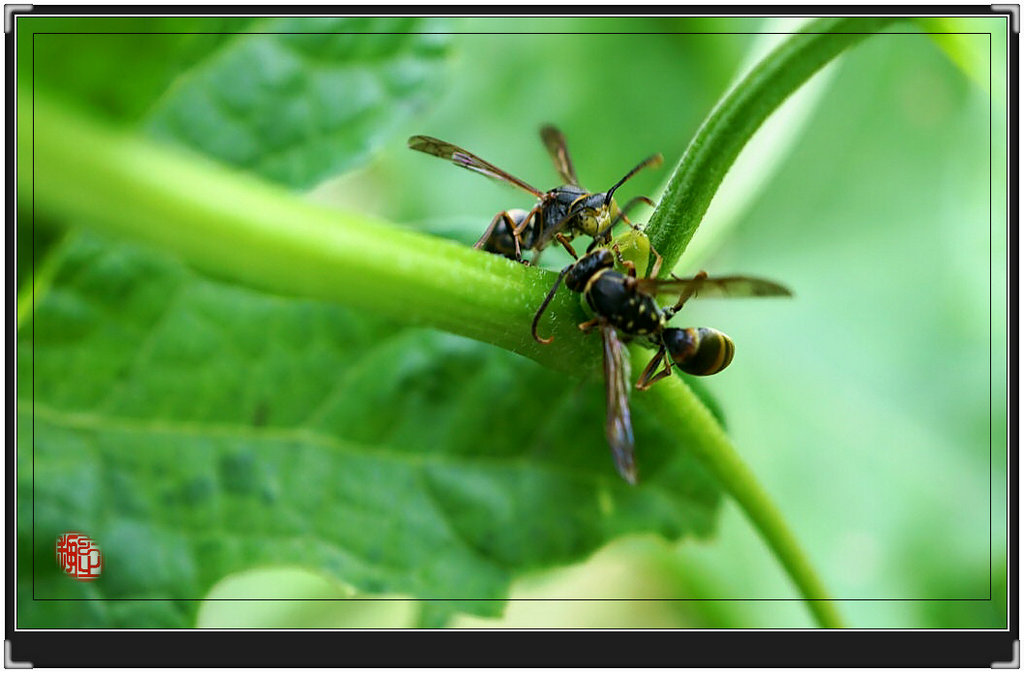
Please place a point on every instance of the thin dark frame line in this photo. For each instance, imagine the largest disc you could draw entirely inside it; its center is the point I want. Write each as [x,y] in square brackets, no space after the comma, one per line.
[556,11]
[484,629]
[800,599]
[990,466]
[370,599]
[243,32]
[33,330]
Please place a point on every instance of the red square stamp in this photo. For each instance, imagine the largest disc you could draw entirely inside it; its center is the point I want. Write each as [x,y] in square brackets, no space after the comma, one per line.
[79,556]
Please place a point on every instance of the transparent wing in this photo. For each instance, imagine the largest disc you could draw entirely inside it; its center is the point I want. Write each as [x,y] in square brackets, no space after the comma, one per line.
[554,140]
[714,286]
[468,160]
[618,424]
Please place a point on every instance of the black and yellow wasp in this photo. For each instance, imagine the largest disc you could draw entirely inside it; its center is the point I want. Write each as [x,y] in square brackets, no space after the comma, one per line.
[627,305]
[559,215]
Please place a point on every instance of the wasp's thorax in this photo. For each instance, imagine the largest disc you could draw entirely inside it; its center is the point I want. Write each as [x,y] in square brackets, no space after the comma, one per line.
[614,296]
[556,208]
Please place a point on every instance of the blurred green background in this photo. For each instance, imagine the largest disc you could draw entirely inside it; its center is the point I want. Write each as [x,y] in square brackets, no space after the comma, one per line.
[864,405]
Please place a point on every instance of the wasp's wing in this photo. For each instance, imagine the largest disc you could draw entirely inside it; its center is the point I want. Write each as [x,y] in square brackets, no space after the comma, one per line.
[714,286]
[554,140]
[618,424]
[468,160]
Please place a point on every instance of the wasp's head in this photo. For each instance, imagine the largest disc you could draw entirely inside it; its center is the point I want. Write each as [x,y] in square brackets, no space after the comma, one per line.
[590,215]
[595,213]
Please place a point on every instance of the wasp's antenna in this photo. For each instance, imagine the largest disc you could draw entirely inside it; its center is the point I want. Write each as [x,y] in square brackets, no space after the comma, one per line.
[622,214]
[653,160]
[547,300]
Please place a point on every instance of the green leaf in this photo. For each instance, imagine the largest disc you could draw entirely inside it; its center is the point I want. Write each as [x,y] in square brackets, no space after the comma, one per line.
[196,429]
[304,99]
[296,100]
[246,230]
[78,57]
[286,245]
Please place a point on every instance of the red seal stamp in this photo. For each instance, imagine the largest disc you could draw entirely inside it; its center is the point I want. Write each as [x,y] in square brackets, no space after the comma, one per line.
[79,556]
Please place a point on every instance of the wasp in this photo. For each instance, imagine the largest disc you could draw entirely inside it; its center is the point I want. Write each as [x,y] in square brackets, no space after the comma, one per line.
[560,214]
[623,303]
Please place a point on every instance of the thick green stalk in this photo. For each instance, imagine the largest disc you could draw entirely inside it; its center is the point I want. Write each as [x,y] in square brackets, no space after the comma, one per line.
[42,277]
[735,119]
[233,225]
[673,402]
[240,228]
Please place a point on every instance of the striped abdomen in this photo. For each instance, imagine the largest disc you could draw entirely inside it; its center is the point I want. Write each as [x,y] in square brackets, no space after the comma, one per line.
[700,351]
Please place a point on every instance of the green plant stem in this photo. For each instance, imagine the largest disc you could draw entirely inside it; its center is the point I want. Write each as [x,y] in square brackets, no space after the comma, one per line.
[672,401]
[232,225]
[735,119]
[42,277]
[243,229]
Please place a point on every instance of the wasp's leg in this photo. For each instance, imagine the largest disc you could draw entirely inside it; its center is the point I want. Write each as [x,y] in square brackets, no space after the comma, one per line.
[645,374]
[656,267]
[646,380]
[589,325]
[503,215]
[629,204]
[517,230]
[564,241]
[667,371]
[685,294]
[633,201]
[626,264]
